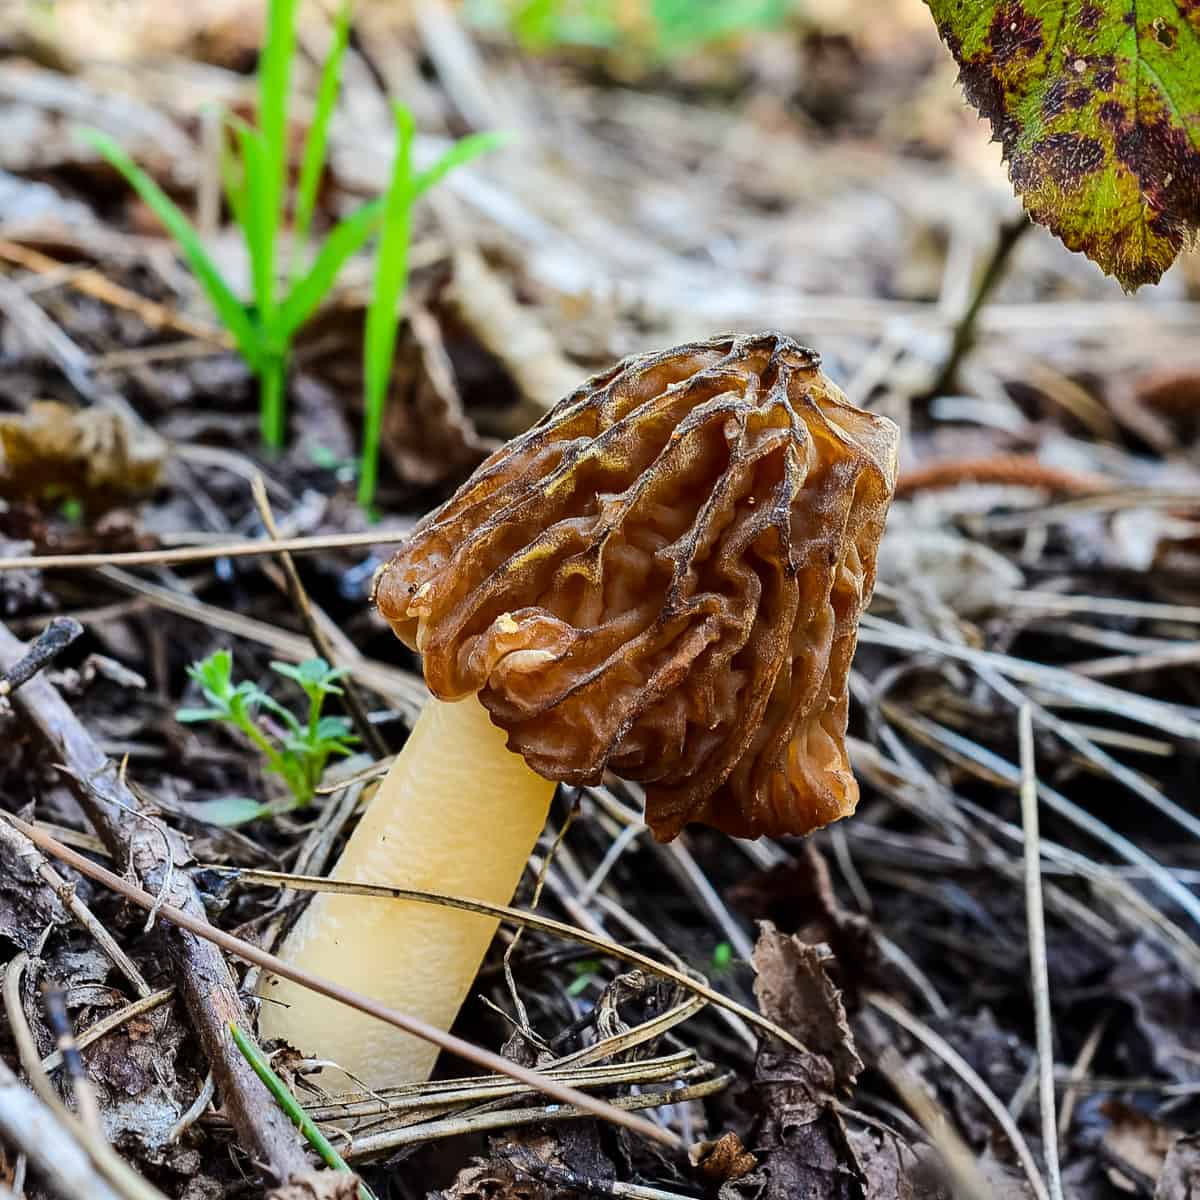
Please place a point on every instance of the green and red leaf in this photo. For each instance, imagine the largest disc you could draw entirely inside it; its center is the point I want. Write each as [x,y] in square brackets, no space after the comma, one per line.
[1097,106]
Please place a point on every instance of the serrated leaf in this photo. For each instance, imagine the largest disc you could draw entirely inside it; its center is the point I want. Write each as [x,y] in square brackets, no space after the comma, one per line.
[1097,105]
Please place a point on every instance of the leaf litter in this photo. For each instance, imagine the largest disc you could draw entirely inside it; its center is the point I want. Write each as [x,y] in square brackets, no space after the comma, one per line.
[854,215]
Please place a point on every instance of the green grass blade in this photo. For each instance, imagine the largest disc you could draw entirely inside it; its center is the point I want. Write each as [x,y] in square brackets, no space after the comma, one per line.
[345,239]
[318,132]
[383,317]
[256,225]
[228,307]
[274,75]
[292,1107]
[233,177]
[461,152]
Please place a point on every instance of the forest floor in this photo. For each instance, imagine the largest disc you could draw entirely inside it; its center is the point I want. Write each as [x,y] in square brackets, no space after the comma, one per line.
[1042,558]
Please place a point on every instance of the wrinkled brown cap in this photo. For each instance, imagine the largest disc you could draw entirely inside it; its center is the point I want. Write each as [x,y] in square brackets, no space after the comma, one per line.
[664,577]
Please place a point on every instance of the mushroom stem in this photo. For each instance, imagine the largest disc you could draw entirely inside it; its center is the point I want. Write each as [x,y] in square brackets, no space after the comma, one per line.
[457,813]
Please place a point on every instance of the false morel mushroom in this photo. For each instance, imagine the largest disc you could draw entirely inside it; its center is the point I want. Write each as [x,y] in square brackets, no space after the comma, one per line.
[663,578]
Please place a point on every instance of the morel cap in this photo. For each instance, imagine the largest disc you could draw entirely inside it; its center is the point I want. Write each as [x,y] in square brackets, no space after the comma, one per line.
[664,577]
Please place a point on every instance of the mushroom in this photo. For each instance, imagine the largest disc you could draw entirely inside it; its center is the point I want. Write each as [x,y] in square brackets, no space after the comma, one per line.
[662,578]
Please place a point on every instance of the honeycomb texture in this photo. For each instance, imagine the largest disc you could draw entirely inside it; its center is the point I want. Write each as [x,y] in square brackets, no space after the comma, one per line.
[664,577]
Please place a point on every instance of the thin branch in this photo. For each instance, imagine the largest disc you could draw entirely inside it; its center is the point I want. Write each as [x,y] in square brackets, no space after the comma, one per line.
[522,919]
[50,643]
[174,555]
[244,950]
[145,847]
[1040,977]
[963,339]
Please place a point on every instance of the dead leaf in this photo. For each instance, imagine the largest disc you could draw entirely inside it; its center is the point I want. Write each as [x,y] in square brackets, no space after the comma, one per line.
[794,990]
[1136,1147]
[536,1167]
[27,906]
[1164,1007]
[21,590]
[722,1160]
[427,436]
[802,1145]
[1180,1175]
[799,898]
[94,455]
[320,1185]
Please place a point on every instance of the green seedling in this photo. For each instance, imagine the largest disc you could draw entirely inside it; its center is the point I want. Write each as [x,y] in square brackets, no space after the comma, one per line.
[254,172]
[292,1107]
[391,278]
[294,748]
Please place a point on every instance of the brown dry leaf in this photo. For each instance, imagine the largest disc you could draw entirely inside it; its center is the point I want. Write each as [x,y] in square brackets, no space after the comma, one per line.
[803,1147]
[427,436]
[722,1160]
[794,990]
[799,898]
[320,1185]
[1136,1147]
[535,1167]
[27,907]
[94,455]
[1180,1177]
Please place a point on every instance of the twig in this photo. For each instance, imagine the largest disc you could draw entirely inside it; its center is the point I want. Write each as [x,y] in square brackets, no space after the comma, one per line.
[105,1026]
[59,1020]
[92,283]
[1079,1069]
[964,332]
[127,1182]
[139,845]
[1017,470]
[350,694]
[404,689]
[244,950]
[524,920]
[174,555]
[51,642]
[1039,972]
[934,1042]
[19,846]
[25,1122]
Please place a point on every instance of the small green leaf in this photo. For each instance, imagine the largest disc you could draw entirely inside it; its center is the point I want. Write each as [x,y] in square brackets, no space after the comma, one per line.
[335,729]
[229,308]
[1097,106]
[227,811]
[722,956]
[214,673]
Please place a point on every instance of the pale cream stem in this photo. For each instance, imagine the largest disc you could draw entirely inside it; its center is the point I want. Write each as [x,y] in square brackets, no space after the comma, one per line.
[457,813]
